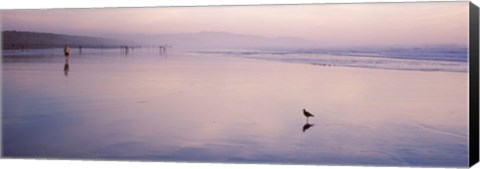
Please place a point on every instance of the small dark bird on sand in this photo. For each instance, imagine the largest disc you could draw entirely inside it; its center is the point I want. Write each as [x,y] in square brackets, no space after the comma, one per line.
[307,114]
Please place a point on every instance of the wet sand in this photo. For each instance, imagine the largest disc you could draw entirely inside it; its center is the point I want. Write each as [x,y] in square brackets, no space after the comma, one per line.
[193,107]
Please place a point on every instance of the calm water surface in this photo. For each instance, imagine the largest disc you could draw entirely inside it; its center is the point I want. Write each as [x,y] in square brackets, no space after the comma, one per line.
[103,104]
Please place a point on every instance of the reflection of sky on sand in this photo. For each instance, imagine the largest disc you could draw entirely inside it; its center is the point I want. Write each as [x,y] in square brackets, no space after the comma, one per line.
[202,108]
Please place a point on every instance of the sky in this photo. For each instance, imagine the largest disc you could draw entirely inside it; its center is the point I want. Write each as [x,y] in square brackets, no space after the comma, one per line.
[368,24]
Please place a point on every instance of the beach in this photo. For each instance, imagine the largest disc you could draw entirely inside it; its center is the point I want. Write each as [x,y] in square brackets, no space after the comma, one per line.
[211,108]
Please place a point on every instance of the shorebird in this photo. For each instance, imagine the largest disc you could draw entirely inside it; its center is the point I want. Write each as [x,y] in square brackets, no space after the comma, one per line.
[307,114]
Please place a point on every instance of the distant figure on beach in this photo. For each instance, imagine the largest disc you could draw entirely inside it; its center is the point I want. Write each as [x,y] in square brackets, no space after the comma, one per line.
[66,50]
[163,49]
[307,114]
[126,50]
[80,49]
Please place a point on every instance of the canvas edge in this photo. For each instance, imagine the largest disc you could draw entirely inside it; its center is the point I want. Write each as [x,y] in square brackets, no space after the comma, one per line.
[474,84]
[1,85]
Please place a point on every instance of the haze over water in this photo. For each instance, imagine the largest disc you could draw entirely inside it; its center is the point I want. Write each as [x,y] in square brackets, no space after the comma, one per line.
[328,25]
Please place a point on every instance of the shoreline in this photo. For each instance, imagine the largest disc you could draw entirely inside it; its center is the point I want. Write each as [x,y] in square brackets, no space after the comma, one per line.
[331,65]
[187,52]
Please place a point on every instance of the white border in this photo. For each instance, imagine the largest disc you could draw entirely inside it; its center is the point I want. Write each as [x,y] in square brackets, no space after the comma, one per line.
[53,164]
[46,4]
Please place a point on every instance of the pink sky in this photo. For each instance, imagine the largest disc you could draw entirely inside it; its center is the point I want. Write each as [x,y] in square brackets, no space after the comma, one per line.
[330,24]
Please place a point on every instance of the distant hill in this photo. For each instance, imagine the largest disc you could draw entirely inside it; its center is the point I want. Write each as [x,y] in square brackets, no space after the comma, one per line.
[29,40]
[218,40]
[200,40]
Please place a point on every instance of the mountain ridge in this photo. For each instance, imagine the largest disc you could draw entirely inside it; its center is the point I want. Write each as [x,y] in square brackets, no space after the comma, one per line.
[216,39]
[13,39]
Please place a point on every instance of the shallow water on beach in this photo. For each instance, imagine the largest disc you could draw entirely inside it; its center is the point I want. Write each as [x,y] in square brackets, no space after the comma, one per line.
[105,104]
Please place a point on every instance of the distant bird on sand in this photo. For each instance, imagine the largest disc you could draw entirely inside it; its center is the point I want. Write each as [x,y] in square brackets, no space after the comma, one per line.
[307,114]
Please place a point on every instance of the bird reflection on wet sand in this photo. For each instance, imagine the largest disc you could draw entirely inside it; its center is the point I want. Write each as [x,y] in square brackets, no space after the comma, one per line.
[307,126]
